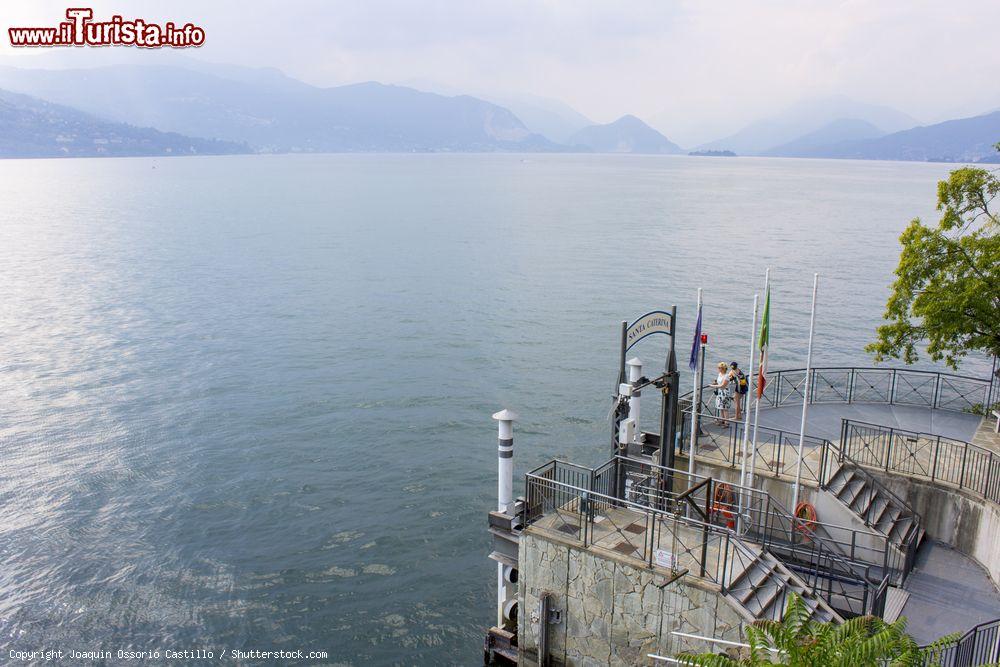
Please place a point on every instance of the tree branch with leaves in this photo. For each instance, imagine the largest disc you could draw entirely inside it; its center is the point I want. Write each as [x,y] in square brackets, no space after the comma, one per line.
[947,289]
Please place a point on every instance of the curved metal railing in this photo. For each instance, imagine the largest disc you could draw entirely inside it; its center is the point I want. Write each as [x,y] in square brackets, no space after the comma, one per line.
[978,646]
[856,384]
[935,458]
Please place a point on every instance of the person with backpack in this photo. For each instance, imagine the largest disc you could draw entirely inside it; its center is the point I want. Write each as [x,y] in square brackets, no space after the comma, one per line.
[741,387]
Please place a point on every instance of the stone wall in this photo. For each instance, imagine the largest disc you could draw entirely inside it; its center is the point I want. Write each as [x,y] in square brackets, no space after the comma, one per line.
[962,520]
[614,611]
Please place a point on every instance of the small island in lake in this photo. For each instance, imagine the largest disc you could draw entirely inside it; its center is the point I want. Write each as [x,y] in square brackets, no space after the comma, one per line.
[713,153]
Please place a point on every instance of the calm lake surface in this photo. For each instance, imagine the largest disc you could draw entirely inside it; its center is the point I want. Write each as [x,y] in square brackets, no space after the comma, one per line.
[245,401]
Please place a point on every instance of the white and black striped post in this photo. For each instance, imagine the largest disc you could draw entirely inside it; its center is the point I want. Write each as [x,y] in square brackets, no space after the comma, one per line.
[506,579]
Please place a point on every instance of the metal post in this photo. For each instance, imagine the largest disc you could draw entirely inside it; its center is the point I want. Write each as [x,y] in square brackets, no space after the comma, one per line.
[937,450]
[756,405]
[709,494]
[746,408]
[621,354]
[695,398]
[505,496]
[989,391]
[664,428]
[667,437]
[634,366]
[805,396]
[888,450]
[696,427]
[961,476]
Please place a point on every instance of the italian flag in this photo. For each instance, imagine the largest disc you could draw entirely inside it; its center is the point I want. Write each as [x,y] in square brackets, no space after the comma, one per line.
[765,330]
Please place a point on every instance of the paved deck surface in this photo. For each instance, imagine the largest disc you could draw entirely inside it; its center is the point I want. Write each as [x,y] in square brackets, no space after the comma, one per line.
[824,419]
[986,436]
[949,593]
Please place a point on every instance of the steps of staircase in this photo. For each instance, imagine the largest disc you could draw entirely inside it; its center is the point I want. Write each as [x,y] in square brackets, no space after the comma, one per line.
[895,599]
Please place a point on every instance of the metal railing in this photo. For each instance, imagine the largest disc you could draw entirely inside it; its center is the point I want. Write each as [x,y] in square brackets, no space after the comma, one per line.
[776,451]
[845,566]
[855,384]
[978,646]
[922,455]
[776,454]
[580,512]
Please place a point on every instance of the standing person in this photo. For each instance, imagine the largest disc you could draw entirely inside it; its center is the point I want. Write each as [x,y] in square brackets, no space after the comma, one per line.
[723,394]
[741,387]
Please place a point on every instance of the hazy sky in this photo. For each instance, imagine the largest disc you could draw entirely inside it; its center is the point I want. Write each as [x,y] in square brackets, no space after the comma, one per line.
[701,68]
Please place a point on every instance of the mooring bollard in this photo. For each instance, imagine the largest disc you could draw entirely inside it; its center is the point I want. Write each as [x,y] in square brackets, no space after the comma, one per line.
[506,580]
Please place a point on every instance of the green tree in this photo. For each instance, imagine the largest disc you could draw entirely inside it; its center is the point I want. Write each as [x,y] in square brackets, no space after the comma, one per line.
[798,641]
[947,287]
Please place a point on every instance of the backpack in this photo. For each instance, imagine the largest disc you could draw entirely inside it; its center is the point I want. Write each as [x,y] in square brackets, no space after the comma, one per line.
[742,384]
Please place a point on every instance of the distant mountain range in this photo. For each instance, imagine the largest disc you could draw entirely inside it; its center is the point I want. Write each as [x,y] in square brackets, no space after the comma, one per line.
[963,140]
[552,119]
[808,117]
[628,134]
[30,127]
[280,114]
[206,108]
[842,129]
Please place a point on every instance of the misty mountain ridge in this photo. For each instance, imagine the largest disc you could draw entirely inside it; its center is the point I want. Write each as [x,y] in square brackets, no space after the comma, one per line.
[273,113]
[807,117]
[961,140]
[30,127]
[553,119]
[842,129]
[267,111]
[628,134]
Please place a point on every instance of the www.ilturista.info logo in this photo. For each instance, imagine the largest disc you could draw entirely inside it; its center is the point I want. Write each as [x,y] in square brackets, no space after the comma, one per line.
[82,30]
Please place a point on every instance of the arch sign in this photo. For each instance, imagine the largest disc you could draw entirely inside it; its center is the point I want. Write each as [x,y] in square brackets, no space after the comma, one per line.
[655,322]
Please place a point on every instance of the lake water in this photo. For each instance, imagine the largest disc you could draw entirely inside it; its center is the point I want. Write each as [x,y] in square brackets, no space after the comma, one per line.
[245,401]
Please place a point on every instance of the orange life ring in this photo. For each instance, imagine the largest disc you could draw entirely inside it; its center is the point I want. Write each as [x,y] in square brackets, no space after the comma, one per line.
[722,503]
[805,519]
[723,494]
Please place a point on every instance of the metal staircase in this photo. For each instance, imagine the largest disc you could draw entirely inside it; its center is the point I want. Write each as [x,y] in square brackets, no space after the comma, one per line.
[773,552]
[882,510]
[760,585]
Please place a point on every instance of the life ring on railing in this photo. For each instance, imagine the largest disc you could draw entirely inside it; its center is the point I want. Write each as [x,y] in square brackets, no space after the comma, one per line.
[722,504]
[805,520]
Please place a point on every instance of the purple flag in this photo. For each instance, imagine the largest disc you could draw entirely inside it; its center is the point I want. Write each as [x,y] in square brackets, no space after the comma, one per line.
[696,345]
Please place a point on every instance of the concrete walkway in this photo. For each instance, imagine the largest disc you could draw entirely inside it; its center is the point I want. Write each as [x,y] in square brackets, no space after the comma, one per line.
[824,419]
[949,592]
[986,436]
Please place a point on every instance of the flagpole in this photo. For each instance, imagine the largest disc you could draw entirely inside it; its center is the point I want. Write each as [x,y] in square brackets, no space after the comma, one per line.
[695,405]
[805,396]
[746,408]
[759,393]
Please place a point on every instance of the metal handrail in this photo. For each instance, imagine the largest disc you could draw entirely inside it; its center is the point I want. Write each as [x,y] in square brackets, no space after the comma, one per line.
[867,384]
[580,505]
[883,448]
[978,646]
[765,520]
[830,454]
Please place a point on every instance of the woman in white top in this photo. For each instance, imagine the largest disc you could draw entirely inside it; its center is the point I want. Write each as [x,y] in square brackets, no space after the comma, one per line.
[723,395]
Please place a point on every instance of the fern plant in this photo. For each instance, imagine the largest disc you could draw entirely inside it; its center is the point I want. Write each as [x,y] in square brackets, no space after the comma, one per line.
[798,641]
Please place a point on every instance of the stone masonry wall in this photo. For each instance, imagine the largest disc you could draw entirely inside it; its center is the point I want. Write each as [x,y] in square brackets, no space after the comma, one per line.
[614,612]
